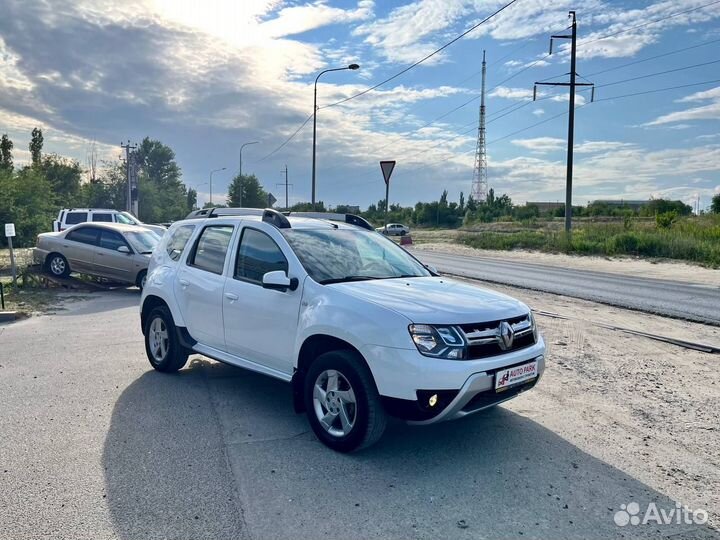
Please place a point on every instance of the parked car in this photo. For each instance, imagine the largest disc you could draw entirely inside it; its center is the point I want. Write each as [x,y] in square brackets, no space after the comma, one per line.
[357,326]
[394,229]
[68,217]
[111,250]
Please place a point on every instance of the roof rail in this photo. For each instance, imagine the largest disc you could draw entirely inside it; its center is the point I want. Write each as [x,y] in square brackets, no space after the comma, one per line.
[269,215]
[351,219]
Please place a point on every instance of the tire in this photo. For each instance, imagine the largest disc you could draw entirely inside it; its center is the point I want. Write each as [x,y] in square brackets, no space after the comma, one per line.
[365,419]
[161,343]
[140,280]
[403,232]
[57,265]
[385,232]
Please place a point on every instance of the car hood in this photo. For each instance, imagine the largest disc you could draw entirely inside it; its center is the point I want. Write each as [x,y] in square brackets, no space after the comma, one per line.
[435,300]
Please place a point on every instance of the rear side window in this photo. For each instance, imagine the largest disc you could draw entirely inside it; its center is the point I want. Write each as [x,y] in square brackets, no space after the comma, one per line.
[257,255]
[111,240]
[211,248]
[107,218]
[74,218]
[84,235]
[178,240]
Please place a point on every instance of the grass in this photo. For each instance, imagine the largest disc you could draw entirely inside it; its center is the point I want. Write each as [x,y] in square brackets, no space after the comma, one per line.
[694,239]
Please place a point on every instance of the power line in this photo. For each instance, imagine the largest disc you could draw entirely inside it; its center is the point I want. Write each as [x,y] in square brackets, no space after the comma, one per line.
[661,19]
[657,73]
[427,57]
[658,90]
[290,138]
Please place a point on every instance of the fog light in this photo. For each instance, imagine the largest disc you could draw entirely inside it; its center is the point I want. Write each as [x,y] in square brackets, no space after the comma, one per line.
[433,400]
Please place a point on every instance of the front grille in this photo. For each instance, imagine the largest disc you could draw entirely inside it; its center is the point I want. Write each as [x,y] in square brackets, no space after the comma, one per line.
[485,340]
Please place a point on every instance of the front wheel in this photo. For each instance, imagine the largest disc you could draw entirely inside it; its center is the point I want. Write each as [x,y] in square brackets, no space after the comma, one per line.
[342,402]
[161,343]
[141,279]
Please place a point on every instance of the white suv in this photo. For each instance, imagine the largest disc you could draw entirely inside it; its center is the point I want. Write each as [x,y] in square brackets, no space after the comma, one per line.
[67,217]
[359,327]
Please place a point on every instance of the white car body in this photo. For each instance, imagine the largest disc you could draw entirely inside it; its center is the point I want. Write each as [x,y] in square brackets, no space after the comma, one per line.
[394,229]
[268,331]
[67,217]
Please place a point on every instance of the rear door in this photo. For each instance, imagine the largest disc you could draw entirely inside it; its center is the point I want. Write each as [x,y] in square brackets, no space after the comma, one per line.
[79,246]
[104,217]
[199,284]
[110,262]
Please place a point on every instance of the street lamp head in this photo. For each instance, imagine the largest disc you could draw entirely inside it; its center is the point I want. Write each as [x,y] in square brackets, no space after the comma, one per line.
[353,66]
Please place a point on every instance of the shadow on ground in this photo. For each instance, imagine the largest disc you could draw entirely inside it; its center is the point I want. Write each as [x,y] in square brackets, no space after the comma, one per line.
[216,452]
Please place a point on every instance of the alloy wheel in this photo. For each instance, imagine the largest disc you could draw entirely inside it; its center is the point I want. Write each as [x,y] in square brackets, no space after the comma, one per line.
[158,339]
[334,403]
[57,266]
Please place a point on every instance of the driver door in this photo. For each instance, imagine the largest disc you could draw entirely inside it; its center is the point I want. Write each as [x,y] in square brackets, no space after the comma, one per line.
[111,263]
[260,324]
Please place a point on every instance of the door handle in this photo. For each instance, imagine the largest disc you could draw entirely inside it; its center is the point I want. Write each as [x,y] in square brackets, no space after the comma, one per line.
[230,296]
[184,283]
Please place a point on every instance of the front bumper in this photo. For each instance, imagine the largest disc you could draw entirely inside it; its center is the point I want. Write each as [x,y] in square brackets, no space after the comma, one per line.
[463,386]
[479,393]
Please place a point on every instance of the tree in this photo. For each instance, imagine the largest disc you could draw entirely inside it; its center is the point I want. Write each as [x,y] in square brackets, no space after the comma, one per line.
[64,176]
[6,158]
[191,199]
[36,145]
[715,205]
[252,196]
[162,195]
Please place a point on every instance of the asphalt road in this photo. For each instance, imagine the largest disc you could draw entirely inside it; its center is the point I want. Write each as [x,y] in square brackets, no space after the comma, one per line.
[96,445]
[697,303]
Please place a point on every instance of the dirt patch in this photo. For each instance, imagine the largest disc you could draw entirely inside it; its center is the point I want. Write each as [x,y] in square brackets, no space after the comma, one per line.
[640,405]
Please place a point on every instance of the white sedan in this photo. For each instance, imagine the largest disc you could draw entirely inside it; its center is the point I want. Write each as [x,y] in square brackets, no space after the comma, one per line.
[394,229]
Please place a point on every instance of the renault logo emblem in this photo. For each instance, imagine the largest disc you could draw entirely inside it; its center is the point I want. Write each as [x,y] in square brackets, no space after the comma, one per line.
[507,335]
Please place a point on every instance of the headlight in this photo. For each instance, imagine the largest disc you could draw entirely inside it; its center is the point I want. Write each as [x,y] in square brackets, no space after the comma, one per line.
[438,341]
[534,326]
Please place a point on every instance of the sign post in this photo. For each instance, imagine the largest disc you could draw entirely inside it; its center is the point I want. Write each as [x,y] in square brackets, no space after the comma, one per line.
[9,233]
[387,170]
[271,200]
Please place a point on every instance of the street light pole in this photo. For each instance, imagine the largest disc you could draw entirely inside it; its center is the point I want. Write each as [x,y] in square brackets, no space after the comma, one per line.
[240,167]
[211,173]
[352,67]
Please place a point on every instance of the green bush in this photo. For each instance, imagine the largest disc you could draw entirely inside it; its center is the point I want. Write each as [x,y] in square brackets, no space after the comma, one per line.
[666,219]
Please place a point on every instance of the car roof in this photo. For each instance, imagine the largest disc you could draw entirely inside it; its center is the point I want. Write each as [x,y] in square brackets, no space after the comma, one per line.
[119,227]
[91,210]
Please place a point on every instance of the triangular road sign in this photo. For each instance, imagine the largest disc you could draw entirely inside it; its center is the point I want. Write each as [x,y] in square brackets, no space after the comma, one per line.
[387,169]
[271,199]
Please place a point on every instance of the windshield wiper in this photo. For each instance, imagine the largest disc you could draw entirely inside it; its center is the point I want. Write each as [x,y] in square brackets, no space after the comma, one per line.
[348,278]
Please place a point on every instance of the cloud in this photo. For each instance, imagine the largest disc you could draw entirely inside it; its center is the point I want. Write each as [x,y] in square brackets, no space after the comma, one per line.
[297,19]
[711,111]
[541,145]
[505,92]
[538,112]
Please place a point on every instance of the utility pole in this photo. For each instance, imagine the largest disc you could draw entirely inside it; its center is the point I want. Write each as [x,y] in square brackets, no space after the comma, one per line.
[571,112]
[287,205]
[127,147]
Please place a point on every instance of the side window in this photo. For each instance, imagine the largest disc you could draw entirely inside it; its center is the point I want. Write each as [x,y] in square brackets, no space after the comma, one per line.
[84,235]
[257,255]
[179,239]
[104,217]
[73,218]
[211,248]
[111,240]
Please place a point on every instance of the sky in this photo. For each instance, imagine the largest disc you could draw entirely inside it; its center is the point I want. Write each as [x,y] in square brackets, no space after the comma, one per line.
[207,76]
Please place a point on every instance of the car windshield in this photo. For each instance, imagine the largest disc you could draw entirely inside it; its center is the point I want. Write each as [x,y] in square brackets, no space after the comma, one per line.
[127,219]
[337,255]
[143,242]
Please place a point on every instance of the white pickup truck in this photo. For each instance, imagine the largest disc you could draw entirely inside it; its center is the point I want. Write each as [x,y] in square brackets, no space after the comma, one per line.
[358,326]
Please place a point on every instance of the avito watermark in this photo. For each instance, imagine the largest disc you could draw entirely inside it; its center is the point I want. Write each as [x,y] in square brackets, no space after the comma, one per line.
[630,514]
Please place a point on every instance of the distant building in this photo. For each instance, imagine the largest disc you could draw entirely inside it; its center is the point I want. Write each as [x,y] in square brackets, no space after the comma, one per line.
[545,207]
[617,203]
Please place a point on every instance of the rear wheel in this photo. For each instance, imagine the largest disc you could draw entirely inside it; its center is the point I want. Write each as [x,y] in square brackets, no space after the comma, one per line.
[57,265]
[403,232]
[161,343]
[342,402]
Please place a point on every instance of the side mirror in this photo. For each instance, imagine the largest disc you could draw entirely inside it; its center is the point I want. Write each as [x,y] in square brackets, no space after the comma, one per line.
[123,249]
[278,281]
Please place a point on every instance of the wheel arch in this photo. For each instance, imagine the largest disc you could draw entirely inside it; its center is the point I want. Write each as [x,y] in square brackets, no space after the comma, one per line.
[312,347]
